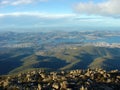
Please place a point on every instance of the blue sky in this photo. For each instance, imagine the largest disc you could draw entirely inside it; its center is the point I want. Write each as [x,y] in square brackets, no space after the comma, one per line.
[59,15]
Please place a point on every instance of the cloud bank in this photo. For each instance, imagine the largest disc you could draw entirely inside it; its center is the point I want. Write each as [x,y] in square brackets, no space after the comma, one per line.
[18,2]
[33,19]
[106,8]
[37,14]
[42,21]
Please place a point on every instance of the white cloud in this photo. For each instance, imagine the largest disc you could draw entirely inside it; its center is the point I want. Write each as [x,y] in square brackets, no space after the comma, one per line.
[4,2]
[38,14]
[18,2]
[106,8]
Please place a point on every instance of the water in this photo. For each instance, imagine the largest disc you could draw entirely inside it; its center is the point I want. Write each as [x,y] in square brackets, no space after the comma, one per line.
[111,39]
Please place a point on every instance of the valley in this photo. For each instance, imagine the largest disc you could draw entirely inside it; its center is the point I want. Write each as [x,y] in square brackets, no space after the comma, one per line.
[64,51]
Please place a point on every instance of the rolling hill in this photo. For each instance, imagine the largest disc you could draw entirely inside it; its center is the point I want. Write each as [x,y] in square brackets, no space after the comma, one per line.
[18,60]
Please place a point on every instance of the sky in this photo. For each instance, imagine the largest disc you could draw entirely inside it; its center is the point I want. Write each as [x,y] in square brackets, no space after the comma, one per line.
[40,15]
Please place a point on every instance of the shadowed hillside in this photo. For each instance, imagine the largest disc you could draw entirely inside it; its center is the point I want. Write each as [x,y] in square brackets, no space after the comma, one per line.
[60,59]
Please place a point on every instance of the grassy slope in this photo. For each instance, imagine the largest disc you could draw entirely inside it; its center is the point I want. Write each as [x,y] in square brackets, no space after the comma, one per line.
[63,59]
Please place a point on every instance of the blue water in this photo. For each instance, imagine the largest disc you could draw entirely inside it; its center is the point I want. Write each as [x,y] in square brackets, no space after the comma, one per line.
[111,39]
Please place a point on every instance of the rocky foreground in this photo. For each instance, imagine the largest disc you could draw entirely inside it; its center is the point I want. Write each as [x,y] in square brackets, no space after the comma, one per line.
[96,79]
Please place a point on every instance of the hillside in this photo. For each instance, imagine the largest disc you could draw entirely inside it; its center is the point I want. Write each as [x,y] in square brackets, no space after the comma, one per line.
[18,60]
